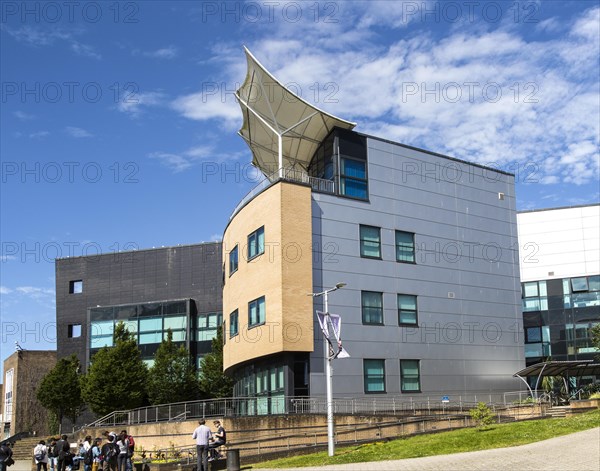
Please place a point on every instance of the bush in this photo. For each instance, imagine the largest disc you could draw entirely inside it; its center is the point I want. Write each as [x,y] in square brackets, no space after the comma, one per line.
[482,415]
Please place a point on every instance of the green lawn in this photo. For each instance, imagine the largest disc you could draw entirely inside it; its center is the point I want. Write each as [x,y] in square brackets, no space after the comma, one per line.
[456,441]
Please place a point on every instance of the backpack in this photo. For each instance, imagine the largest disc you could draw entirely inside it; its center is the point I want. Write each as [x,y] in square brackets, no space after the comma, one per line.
[40,455]
[88,458]
[111,452]
[131,444]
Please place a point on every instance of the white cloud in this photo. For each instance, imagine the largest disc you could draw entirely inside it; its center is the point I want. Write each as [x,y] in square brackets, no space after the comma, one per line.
[134,103]
[84,50]
[178,162]
[169,52]
[39,134]
[77,132]
[37,36]
[5,290]
[214,102]
[23,116]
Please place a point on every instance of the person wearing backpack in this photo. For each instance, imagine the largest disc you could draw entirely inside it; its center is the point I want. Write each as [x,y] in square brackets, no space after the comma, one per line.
[63,448]
[109,454]
[86,453]
[6,456]
[52,455]
[96,454]
[40,454]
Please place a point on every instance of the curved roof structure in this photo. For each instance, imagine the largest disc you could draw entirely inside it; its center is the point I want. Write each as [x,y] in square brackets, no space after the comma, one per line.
[282,130]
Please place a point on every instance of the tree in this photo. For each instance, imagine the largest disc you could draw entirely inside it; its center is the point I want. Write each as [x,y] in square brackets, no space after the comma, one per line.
[59,391]
[116,378]
[482,415]
[595,331]
[213,383]
[173,376]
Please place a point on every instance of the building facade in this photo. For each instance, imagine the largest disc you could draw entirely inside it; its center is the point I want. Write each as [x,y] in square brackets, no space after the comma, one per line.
[151,291]
[560,275]
[426,245]
[21,411]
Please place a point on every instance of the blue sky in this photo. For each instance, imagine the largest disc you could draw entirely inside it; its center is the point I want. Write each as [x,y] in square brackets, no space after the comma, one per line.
[118,121]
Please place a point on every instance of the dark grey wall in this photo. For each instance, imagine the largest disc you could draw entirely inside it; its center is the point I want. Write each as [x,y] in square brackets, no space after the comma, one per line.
[190,271]
[466,275]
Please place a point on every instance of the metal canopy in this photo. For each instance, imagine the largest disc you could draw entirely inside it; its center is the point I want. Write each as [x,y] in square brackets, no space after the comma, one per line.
[558,368]
[282,130]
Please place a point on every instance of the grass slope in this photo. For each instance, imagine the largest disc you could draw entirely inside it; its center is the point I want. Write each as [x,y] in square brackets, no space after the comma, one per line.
[456,441]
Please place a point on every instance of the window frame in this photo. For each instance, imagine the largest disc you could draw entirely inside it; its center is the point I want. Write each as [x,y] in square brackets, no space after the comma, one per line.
[343,178]
[365,377]
[362,241]
[396,245]
[416,311]
[402,389]
[362,307]
[75,286]
[235,251]
[255,234]
[234,315]
[257,302]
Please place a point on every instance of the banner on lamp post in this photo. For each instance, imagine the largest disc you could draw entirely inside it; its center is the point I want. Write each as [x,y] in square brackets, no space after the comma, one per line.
[331,326]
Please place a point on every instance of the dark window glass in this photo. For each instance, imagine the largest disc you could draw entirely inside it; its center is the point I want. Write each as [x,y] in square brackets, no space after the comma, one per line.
[407,309]
[405,247]
[256,312]
[533,334]
[353,178]
[74,331]
[256,243]
[579,284]
[370,242]
[233,324]
[75,286]
[372,307]
[374,376]
[233,260]
[410,380]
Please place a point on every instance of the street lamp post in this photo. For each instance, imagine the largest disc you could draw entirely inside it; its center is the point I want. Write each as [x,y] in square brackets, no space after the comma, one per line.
[328,375]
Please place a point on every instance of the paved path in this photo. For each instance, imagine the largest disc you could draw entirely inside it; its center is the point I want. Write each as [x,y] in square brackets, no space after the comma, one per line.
[576,452]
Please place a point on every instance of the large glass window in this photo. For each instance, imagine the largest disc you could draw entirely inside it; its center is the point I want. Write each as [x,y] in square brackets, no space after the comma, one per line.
[581,291]
[372,307]
[256,312]
[407,309]
[405,247]
[410,380]
[370,241]
[535,296]
[353,178]
[256,243]
[233,260]
[207,325]
[101,334]
[374,376]
[233,323]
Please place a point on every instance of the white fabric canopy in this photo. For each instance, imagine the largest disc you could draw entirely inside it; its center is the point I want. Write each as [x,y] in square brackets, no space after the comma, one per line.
[282,130]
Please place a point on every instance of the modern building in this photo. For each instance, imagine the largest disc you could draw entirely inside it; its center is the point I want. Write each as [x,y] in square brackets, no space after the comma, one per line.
[20,409]
[151,291]
[560,275]
[426,244]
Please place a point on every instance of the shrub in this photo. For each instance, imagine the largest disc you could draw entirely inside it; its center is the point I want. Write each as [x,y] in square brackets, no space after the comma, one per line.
[482,415]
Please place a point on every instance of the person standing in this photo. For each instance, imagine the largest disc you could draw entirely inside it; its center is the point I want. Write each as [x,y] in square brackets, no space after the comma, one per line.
[40,454]
[202,435]
[123,445]
[5,456]
[52,455]
[96,454]
[110,451]
[63,448]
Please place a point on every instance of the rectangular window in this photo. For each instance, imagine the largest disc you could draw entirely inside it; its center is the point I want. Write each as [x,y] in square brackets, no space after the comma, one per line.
[256,312]
[233,324]
[74,331]
[579,284]
[256,243]
[410,380]
[372,307]
[75,286]
[533,334]
[370,242]
[407,309]
[374,376]
[207,326]
[233,260]
[353,178]
[405,247]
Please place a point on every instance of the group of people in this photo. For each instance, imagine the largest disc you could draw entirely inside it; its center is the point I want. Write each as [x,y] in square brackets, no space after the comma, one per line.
[208,442]
[112,455]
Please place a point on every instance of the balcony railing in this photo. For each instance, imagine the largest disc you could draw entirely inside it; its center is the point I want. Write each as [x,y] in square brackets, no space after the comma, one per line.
[319,185]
